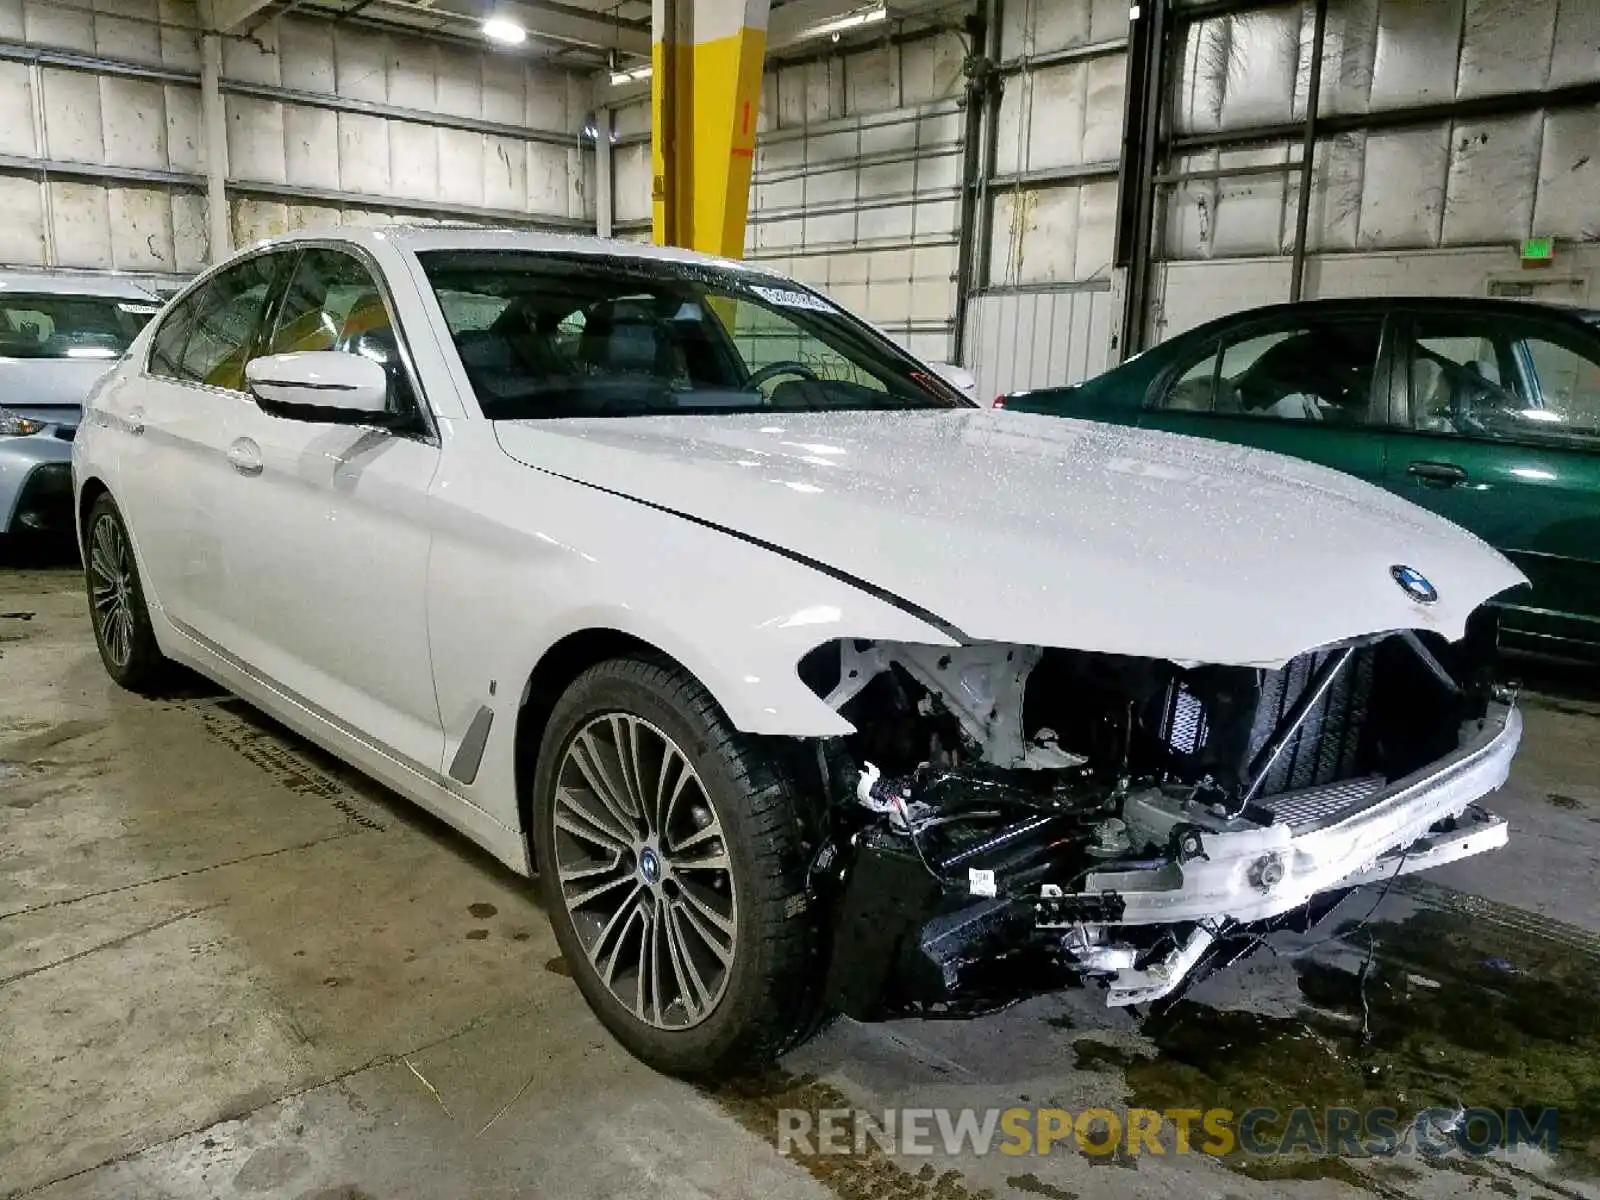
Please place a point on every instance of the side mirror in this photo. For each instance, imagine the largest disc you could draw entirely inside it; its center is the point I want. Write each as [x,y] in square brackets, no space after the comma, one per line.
[963,380]
[325,386]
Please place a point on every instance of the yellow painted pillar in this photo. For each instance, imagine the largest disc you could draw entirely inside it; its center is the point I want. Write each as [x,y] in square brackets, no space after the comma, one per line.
[704,94]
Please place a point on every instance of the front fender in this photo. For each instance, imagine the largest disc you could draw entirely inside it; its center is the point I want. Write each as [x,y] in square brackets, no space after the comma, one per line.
[738,617]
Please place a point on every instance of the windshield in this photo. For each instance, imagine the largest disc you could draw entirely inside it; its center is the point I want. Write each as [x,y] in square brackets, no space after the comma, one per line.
[49,325]
[545,335]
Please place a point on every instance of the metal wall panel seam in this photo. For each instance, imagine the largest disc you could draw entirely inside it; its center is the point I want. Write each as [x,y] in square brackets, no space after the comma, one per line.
[1055,58]
[392,112]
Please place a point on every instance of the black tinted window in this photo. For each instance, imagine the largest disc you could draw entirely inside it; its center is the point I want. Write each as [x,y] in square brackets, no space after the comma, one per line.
[1311,372]
[547,336]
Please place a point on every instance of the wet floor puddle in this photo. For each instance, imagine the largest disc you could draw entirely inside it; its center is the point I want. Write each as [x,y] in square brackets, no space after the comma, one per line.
[755,1102]
[1435,1010]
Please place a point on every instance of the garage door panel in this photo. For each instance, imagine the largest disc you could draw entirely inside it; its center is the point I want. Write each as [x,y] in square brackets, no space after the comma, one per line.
[1494,170]
[311,147]
[1569,175]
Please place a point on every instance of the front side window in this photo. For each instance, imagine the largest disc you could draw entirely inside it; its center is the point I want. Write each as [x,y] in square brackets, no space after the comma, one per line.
[332,302]
[588,336]
[1319,372]
[50,325]
[1505,379]
[210,336]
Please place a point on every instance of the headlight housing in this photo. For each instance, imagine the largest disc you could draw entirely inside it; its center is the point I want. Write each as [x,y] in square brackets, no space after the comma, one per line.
[16,425]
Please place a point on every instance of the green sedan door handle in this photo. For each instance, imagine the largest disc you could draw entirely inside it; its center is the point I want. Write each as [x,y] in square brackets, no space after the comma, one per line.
[1438,474]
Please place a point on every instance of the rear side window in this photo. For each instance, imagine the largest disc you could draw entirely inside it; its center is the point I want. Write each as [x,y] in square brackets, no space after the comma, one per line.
[1312,372]
[210,336]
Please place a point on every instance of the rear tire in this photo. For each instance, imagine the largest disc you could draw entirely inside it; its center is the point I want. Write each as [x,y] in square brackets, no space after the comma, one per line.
[672,865]
[117,608]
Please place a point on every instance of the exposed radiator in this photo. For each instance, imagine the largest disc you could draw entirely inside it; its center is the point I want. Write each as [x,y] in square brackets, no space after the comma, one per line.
[1313,805]
[1325,748]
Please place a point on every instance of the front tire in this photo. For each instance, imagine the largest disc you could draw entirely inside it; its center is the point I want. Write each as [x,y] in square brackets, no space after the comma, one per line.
[117,606]
[672,866]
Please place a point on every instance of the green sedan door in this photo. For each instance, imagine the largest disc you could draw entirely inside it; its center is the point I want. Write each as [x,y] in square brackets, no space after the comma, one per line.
[1503,437]
[1308,385]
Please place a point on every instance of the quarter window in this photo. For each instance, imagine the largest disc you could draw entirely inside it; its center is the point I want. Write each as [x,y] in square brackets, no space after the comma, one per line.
[166,353]
[1314,373]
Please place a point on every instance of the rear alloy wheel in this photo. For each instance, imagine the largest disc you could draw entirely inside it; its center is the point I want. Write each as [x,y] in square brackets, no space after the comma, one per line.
[116,603]
[670,858]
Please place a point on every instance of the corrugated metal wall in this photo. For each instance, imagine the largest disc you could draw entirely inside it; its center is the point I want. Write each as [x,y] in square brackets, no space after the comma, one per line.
[1435,204]
[1042,310]
[859,172]
[102,159]
[857,184]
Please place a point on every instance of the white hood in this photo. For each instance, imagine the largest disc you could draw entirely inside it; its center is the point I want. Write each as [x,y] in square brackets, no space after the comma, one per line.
[1043,531]
[49,383]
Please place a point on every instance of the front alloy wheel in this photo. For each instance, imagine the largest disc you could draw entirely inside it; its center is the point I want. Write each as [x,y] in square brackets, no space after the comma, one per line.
[671,858]
[644,871]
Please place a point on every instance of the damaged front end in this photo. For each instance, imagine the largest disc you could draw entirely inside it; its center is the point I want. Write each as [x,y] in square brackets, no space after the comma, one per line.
[1007,820]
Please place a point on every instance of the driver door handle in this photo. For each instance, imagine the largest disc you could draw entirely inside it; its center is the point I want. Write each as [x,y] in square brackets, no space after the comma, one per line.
[245,457]
[1447,474]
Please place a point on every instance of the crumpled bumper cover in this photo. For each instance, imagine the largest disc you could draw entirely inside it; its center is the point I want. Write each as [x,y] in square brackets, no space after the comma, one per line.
[1251,874]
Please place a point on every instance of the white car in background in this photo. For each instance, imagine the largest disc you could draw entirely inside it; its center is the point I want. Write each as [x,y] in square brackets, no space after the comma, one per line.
[58,334]
[801,682]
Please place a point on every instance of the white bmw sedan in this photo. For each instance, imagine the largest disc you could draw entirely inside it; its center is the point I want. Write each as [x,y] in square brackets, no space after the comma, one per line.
[801,683]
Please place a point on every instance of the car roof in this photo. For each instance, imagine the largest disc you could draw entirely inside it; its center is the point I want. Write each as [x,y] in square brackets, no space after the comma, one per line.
[1356,304]
[117,287]
[458,237]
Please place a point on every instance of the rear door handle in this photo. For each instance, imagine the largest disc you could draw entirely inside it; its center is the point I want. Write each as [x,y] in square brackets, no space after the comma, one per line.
[245,457]
[1443,473]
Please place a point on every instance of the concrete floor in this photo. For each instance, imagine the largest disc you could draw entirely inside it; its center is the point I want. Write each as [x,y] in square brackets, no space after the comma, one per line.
[230,968]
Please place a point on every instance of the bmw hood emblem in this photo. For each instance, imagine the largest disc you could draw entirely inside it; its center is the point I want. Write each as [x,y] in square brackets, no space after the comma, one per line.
[1414,584]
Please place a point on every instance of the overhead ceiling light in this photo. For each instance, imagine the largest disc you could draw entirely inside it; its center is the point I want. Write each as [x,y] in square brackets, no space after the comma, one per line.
[505,31]
[851,20]
[620,78]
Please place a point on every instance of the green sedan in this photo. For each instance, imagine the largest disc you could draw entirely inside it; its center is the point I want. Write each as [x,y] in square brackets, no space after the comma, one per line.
[1485,411]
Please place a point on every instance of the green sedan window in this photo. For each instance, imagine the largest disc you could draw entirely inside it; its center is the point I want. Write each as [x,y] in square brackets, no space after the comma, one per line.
[1511,381]
[1568,385]
[1317,371]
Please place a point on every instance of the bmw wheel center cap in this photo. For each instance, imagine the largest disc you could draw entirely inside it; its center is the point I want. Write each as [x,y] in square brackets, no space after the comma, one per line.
[1414,584]
[649,866]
